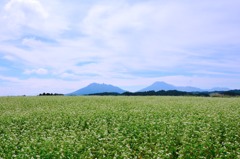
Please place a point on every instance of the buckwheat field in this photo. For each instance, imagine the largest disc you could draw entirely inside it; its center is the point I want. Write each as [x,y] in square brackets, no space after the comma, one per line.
[119,127]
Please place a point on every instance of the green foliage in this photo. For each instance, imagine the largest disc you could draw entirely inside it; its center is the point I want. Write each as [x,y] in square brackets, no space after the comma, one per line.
[119,127]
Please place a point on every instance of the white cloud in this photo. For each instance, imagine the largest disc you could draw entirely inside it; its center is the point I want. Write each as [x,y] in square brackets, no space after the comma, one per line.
[32,43]
[107,20]
[9,58]
[31,17]
[9,79]
[139,32]
[40,71]
[34,86]
[70,76]
[24,13]
[25,7]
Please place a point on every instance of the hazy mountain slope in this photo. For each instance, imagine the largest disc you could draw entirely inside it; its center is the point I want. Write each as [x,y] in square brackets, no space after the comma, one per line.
[158,86]
[97,88]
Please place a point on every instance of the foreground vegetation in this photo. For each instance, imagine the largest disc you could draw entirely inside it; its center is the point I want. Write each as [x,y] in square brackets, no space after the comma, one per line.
[119,127]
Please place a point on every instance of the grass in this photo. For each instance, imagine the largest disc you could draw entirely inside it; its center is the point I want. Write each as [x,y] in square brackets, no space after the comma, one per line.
[119,127]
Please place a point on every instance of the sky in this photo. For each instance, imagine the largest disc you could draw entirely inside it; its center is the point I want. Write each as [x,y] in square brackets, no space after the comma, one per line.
[60,46]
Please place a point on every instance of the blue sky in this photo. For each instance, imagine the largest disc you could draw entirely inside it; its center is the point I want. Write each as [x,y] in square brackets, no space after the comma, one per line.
[60,46]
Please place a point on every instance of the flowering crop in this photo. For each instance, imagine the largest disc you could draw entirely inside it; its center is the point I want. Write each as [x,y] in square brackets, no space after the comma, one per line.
[119,127]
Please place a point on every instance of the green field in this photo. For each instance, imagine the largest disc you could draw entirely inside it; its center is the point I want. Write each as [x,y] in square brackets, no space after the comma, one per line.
[119,127]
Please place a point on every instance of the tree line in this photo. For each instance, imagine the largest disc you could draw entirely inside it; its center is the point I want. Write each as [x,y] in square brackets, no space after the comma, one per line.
[172,93]
[50,94]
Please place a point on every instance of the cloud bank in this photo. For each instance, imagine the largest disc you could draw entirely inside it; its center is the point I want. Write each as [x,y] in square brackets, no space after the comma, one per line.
[61,46]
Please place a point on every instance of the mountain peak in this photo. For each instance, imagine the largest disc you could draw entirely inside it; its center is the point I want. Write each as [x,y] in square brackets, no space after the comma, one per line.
[161,83]
[95,84]
[158,86]
[97,88]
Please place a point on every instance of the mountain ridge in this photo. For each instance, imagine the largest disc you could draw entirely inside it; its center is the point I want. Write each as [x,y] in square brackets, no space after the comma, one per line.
[95,88]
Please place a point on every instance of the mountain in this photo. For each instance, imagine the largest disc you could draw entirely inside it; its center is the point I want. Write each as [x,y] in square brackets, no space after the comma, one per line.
[97,88]
[157,86]
[189,89]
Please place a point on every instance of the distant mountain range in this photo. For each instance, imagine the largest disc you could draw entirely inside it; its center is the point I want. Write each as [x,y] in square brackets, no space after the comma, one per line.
[95,88]
[166,87]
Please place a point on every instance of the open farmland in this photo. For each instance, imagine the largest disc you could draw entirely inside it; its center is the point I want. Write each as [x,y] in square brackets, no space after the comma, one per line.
[119,127]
